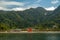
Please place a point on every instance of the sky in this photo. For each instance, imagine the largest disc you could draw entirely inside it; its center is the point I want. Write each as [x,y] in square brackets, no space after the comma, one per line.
[20,5]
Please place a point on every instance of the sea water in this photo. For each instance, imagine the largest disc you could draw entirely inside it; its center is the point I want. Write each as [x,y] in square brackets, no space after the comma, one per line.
[29,36]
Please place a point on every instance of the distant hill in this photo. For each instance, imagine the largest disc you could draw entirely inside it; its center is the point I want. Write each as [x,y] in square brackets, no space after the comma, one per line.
[56,15]
[33,17]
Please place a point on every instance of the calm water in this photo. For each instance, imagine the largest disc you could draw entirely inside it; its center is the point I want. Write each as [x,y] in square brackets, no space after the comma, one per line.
[31,36]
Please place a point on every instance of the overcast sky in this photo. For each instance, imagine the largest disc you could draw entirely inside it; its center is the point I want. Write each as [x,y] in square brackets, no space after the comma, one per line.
[19,5]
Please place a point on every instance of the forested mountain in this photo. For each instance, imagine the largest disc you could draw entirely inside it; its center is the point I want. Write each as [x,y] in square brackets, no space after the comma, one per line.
[55,16]
[33,17]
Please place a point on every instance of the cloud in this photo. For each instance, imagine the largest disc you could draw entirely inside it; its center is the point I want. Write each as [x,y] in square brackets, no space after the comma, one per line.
[50,8]
[18,9]
[54,1]
[11,3]
[5,9]
[1,8]
[13,9]
[5,5]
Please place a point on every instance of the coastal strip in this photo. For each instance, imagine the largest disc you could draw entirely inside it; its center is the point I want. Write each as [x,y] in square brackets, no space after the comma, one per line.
[34,32]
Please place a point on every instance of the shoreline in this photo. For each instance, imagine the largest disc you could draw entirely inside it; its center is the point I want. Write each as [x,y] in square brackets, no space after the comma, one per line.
[34,32]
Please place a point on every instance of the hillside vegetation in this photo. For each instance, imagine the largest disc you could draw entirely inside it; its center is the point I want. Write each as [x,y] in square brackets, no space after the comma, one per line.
[38,18]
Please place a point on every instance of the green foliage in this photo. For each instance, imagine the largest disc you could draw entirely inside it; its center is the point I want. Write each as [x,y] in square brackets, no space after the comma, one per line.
[4,26]
[33,17]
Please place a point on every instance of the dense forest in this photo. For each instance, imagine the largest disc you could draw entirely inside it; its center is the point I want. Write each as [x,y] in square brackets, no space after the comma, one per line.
[38,18]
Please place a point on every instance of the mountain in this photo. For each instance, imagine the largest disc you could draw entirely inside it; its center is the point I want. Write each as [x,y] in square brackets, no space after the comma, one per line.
[33,17]
[56,15]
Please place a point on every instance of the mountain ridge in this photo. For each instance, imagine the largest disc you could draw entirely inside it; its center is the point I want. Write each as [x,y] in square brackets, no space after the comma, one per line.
[33,17]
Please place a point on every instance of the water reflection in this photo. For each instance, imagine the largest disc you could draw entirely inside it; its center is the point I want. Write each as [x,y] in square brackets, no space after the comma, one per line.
[37,36]
[52,37]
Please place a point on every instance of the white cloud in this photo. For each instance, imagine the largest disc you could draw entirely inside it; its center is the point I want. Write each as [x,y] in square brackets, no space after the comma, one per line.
[54,1]
[11,3]
[50,8]
[5,4]
[13,9]
[18,9]
[2,8]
